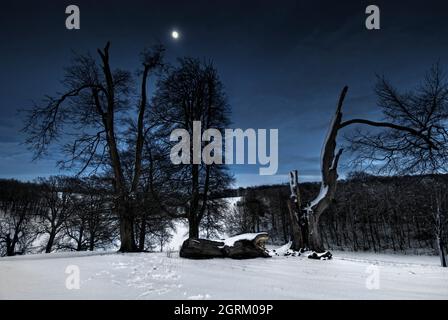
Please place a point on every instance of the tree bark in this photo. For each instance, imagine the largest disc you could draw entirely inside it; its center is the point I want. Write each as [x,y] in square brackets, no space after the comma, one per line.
[50,242]
[294,206]
[10,246]
[439,229]
[81,232]
[142,235]
[193,227]
[127,230]
[296,234]
[315,238]
[92,241]
[193,214]
[297,216]
[441,252]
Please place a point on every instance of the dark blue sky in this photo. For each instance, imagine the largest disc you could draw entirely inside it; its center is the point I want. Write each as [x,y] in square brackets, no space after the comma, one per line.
[283,63]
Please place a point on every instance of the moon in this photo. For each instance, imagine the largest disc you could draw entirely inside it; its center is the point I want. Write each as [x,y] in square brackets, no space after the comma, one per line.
[175,34]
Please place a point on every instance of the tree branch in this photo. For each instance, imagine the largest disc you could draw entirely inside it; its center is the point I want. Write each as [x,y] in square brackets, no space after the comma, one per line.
[392,126]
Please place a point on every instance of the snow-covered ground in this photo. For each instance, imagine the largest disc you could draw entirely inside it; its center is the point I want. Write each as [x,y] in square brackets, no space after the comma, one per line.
[166,276]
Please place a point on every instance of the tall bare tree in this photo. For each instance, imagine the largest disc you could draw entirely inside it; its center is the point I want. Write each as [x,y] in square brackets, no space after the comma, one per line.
[88,113]
[192,92]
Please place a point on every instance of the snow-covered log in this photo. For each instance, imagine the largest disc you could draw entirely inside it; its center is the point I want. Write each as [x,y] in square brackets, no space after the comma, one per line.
[243,246]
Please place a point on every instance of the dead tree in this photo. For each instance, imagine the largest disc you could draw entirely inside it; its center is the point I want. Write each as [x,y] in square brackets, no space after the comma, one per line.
[420,137]
[297,217]
[308,222]
[329,165]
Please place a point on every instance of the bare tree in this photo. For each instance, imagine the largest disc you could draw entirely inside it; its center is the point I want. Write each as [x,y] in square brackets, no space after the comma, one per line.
[161,233]
[19,204]
[417,142]
[188,93]
[91,225]
[417,135]
[58,204]
[96,99]
[413,138]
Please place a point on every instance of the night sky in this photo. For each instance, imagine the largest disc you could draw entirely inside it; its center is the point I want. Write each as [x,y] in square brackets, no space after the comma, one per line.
[283,63]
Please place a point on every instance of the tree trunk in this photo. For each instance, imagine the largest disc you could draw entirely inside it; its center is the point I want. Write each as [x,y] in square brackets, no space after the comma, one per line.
[142,235]
[439,226]
[81,232]
[299,223]
[296,235]
[193,227]
[315,239]
[127,230]
[305,231]
[50,242]
[92,241]
[193,214]
[441,252]
[10,246]
[124,212]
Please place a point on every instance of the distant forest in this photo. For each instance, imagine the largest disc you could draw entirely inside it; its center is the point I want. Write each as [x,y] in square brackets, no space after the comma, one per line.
[369,213]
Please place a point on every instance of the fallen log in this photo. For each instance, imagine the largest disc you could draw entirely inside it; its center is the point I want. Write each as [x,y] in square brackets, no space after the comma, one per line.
[244,246]
[201,249]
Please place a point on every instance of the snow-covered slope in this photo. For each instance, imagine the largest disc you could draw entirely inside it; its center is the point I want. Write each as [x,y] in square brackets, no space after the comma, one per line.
[162,276]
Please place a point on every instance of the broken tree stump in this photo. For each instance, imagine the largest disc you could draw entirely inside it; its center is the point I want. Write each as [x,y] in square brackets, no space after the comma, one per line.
[244,246]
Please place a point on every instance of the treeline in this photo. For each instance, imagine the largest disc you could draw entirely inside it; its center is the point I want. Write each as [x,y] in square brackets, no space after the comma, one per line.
[63,213]
[369,213]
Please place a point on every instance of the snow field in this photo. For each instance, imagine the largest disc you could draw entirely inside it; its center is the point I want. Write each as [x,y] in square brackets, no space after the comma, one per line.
[166,276]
